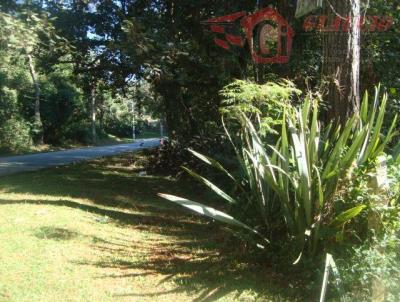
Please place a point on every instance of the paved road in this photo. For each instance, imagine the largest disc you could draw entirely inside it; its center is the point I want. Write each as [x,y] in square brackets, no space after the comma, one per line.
[32,162]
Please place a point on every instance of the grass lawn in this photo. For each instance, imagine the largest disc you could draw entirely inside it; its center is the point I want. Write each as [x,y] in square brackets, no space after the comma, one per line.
[148,134]
[97,232]
[104,141]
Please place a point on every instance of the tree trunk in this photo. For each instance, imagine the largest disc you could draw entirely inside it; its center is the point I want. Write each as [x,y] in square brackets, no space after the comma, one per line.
[341,66]
[93,111]
[355,53]
[38,120]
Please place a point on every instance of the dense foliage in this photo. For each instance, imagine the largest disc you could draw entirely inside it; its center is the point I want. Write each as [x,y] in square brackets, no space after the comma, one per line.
[107,48]
[313,189]
[45,77]
[77,70]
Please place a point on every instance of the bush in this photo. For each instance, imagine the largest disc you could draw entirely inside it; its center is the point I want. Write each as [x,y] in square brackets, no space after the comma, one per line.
[266,102]
[169,158]
[15,136]
[8,104]
[374,267]
[77,131]
[63,109]
[14,131]
[394,178]
[286,190]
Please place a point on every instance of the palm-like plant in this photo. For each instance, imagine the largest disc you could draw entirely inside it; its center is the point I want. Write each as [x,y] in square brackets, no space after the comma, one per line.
[302,172]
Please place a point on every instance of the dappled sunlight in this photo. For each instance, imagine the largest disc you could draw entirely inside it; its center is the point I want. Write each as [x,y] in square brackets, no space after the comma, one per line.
[54,233]
[92,183]
[21,197]
[107,230]
[176,265]
[143,221]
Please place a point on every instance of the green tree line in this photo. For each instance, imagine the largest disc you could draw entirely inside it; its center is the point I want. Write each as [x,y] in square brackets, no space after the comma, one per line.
[71,68]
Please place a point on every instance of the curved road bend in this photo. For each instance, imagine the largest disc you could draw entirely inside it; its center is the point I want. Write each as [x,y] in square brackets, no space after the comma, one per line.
[32,162]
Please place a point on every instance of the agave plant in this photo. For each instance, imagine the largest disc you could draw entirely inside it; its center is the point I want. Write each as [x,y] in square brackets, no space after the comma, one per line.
[301,173]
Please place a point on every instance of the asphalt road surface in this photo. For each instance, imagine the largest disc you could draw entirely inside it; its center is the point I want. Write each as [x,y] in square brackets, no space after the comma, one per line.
[32,162]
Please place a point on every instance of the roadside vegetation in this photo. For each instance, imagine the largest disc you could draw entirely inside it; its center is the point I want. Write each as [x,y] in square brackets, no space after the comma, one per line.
[288,174]
[302,188]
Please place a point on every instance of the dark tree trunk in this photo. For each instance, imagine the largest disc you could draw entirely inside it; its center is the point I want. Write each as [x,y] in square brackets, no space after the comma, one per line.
[38,120]
[341,66]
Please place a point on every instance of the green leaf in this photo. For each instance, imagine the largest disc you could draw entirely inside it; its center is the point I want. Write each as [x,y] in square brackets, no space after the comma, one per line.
[210,212]
[396,154]
[347,215]
[210,185]
[212,162]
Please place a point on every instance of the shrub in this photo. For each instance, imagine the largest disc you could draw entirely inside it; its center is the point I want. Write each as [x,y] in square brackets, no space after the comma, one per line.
[286,190]
[394,178]
[267,102]
[168,159]
[8,104]
[14,132]
[77,131]
[374,267]
[15,136]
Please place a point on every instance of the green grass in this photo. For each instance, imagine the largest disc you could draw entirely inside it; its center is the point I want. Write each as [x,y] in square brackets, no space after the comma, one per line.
[148,134]
[103,141]
[97,232]
[110,139]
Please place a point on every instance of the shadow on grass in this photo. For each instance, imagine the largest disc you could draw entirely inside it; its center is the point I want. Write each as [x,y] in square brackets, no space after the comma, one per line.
[191,258]
[157,221]
[190,255]
[102,185]
[202,270]
[58,234]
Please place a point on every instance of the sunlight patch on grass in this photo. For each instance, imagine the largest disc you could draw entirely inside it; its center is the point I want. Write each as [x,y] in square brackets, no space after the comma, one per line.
[93,232]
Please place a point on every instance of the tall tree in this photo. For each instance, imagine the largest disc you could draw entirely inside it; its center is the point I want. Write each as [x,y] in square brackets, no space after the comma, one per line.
[341,58]
[26,30]
[96,35]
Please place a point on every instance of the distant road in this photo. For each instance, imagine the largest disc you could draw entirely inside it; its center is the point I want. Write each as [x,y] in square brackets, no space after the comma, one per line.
[32,162]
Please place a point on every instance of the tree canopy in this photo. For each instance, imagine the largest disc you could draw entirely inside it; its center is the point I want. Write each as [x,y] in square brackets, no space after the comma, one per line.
[66,63]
